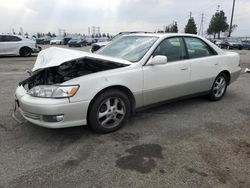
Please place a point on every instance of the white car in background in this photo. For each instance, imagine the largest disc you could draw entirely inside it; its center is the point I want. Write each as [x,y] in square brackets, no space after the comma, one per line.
[17,45]
[71,88]
[56,40]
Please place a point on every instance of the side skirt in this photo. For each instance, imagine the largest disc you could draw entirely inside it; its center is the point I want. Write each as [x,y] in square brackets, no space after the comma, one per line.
[171,100]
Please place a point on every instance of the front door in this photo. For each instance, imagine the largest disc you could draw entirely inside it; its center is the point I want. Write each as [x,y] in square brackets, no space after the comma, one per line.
[170,80]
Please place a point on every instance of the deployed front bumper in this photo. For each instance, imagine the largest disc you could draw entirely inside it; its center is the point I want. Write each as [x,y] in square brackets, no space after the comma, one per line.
[45,111]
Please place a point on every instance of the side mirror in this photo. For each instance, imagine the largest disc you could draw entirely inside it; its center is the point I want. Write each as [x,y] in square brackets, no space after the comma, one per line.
[158,60]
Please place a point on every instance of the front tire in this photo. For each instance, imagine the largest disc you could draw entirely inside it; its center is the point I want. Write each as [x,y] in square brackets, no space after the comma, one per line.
[109,111]
[219,87]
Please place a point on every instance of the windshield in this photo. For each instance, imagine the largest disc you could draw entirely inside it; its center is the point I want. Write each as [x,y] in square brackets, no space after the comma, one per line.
[131,48]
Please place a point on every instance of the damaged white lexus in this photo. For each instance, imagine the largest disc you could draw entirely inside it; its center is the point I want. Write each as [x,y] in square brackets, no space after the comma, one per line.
[70,88]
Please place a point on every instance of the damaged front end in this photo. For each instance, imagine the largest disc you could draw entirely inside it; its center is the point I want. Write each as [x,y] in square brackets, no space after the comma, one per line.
[44,97]
[67,71]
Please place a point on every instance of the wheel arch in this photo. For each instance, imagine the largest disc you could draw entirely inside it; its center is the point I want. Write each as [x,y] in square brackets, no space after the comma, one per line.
[24,47]
[227,73]
[123,89]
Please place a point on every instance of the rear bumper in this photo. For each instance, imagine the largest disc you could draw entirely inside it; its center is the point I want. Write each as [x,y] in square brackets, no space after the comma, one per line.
[235,75]
[36,50]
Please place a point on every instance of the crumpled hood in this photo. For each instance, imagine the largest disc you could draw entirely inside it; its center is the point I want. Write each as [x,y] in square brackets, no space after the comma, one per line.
[55,56]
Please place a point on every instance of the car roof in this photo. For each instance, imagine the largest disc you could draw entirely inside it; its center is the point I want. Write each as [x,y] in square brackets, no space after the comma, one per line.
[162,35]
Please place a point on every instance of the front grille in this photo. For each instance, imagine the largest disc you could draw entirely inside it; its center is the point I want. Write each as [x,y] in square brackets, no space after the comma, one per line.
[31,115]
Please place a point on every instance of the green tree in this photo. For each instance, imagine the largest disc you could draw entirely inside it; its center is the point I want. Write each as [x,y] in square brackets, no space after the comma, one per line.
[174,27]
[108,35]
[191,26]
[168,29]
[53,35]
[103,35]
[234,27]
[160,31]
[218,24]
[49,34]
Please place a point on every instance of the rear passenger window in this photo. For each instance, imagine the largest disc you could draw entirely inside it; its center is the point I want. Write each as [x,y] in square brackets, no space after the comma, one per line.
[9,38]
[173,48]
[197,48]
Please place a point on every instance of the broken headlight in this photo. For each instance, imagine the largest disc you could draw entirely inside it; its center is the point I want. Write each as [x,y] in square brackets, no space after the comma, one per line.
[53,91]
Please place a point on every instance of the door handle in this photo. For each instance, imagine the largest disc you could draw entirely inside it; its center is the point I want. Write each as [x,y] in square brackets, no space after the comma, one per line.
[185,68]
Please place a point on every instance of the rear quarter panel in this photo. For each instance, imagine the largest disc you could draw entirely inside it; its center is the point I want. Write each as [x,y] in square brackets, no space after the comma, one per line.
[230,61]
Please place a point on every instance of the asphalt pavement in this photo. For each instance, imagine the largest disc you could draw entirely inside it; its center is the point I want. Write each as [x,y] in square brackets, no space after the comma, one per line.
[189,143]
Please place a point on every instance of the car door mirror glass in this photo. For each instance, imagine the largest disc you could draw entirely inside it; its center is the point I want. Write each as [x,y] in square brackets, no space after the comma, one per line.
[158,60]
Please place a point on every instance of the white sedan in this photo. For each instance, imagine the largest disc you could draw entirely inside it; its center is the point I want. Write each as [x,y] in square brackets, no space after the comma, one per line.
[56,40]
[17,45]
[71,88]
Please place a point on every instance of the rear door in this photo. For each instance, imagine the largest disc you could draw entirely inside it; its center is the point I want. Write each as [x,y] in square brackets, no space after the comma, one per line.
[170,80]
[204,64]
[10,44]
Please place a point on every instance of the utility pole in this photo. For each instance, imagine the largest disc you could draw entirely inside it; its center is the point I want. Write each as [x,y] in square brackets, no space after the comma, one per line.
[201,26]
[231,23]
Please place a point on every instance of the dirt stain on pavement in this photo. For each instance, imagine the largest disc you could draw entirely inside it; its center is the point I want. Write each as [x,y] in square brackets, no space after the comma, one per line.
[64,139]
[125,137]
[194,171]
[141,158]
[245,111]
[3,127]
[241,147]
[81,155]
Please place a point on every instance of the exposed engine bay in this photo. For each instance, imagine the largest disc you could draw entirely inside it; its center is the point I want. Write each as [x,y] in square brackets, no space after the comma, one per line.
[68,71]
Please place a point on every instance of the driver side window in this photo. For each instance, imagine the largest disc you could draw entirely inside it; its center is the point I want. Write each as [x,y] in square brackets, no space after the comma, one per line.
[173,48]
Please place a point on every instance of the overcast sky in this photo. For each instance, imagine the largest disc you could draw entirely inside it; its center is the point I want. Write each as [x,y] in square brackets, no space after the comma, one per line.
[114,16]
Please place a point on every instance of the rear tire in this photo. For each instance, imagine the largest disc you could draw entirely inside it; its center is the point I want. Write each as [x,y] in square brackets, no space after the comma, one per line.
[25,52]
[219,87]
[109,111]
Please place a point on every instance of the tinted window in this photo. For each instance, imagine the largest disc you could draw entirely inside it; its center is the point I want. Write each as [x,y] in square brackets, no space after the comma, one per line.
[9,38]
[173,48]
[1,38]
[197,48]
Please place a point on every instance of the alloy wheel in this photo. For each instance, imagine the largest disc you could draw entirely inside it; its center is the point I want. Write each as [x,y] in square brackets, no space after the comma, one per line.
[219,86]
[111,112]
